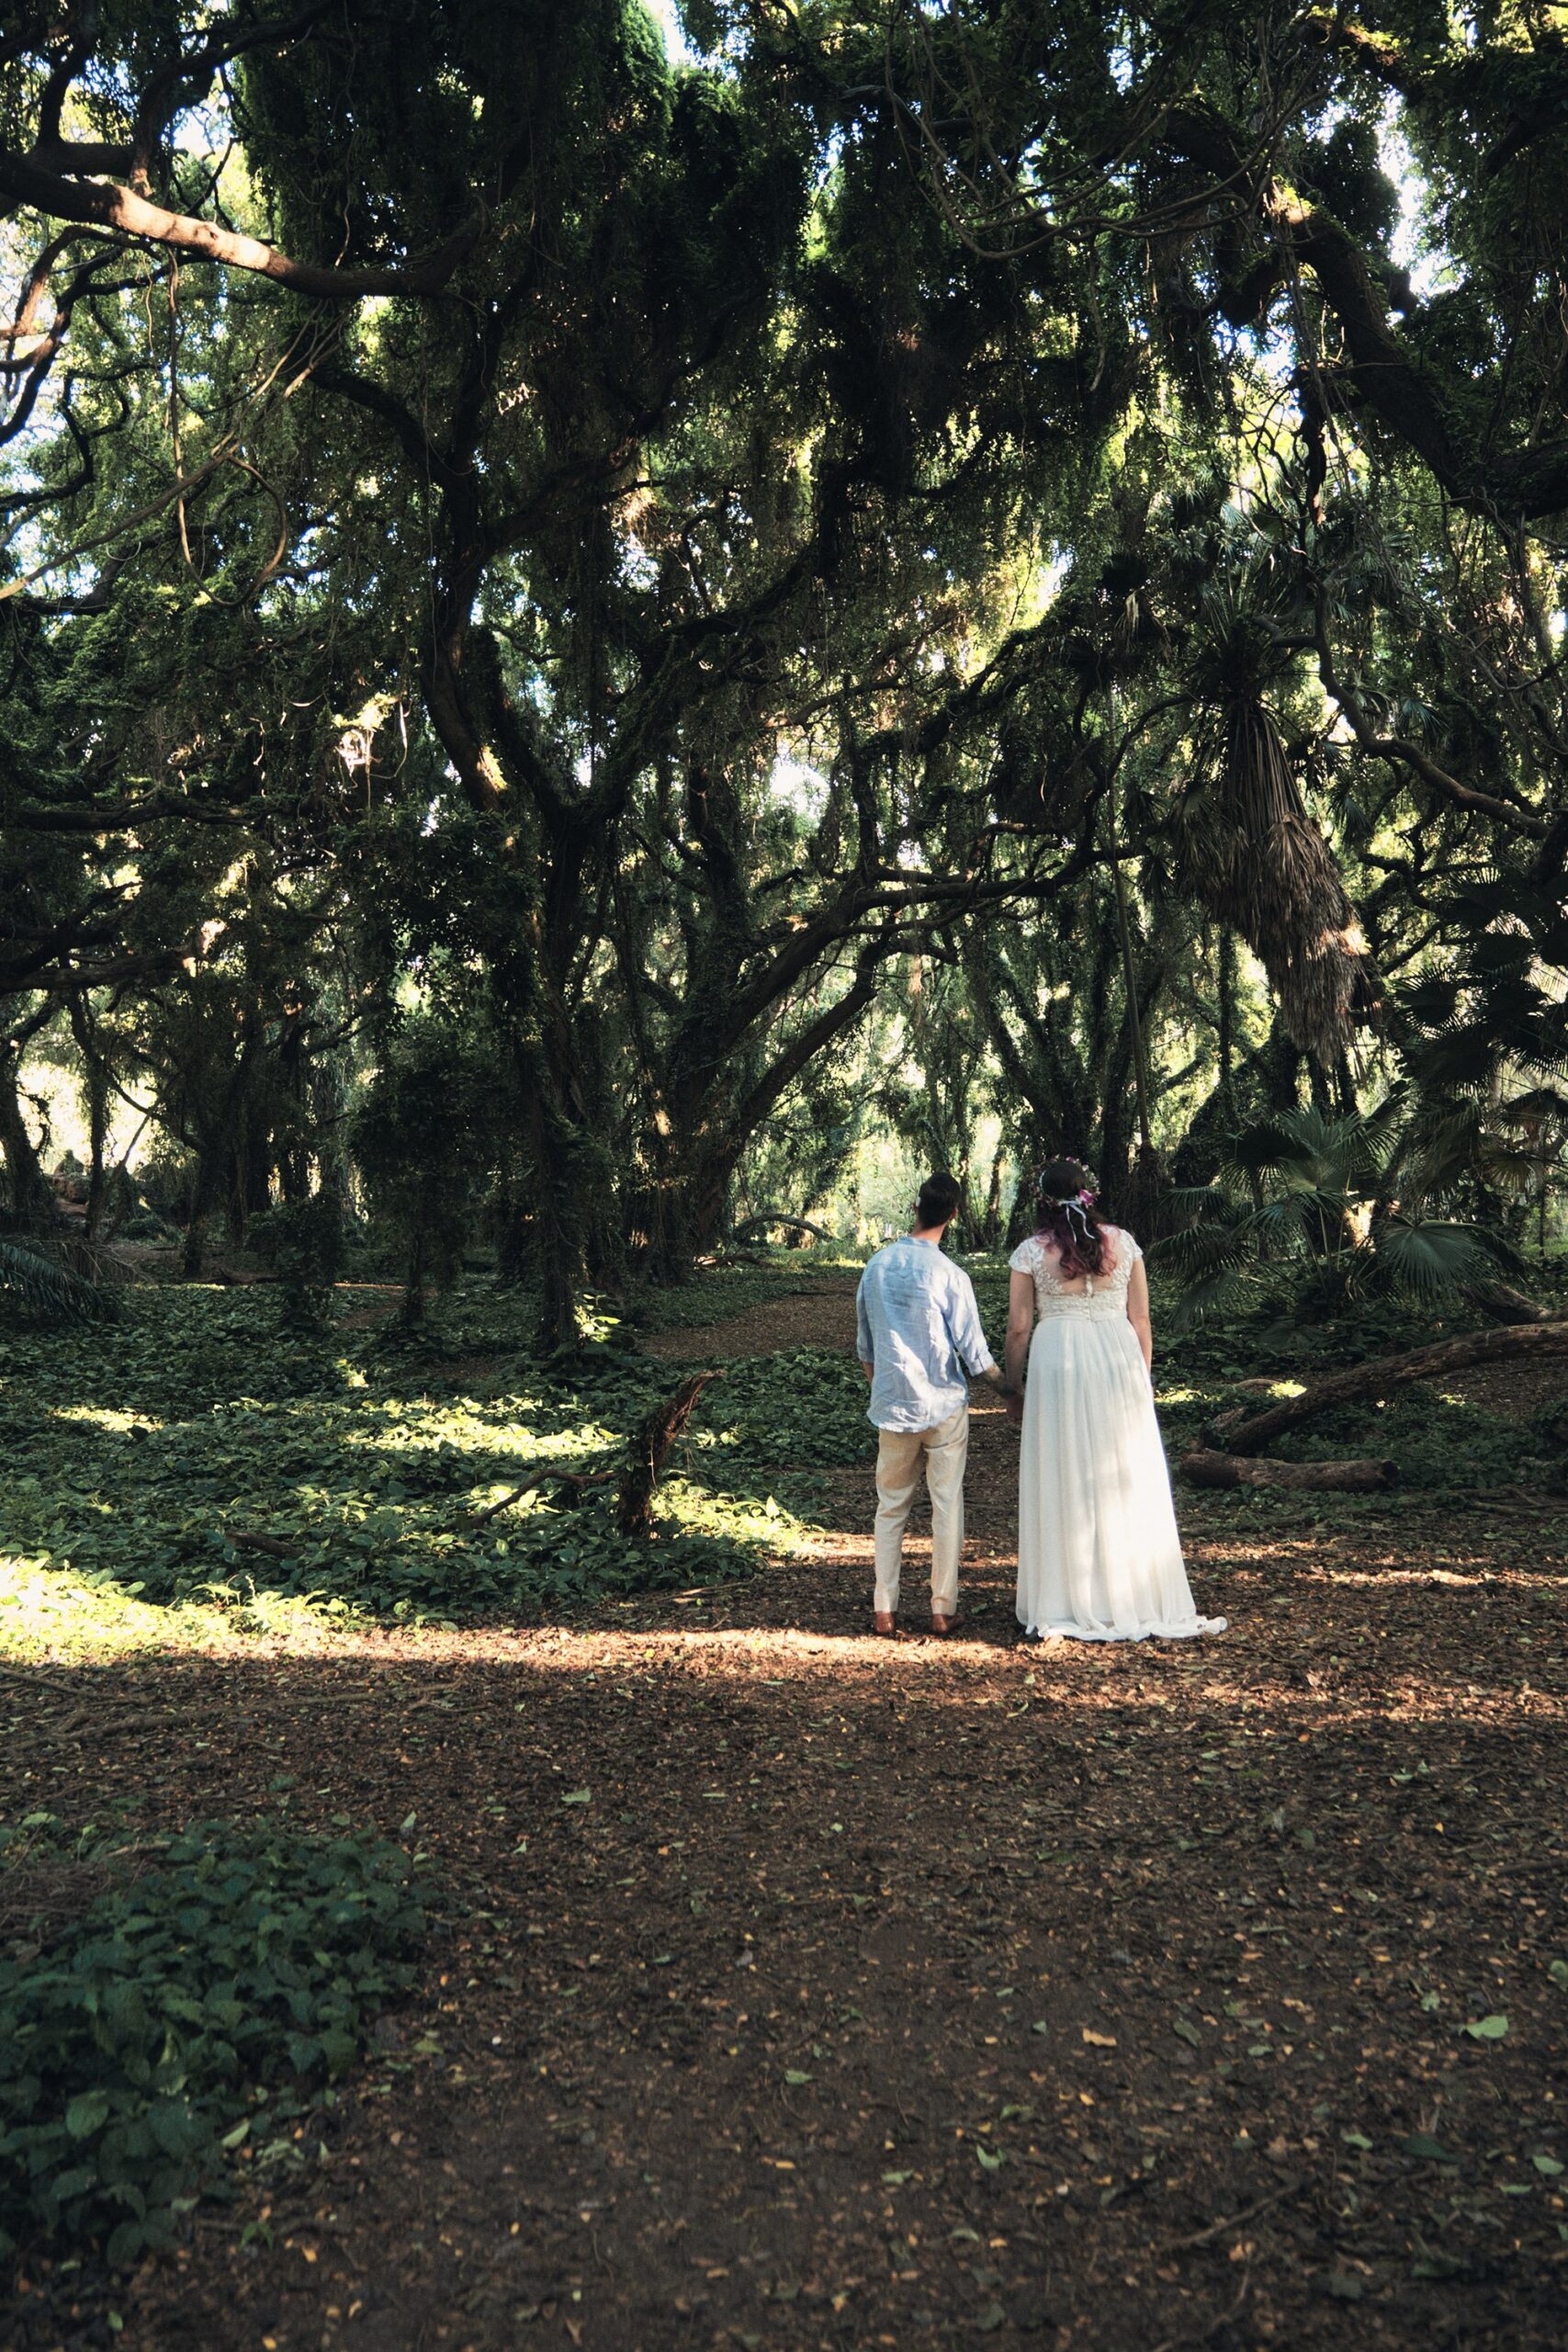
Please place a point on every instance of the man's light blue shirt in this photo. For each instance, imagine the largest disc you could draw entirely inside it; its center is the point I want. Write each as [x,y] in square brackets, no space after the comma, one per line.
[919,1327]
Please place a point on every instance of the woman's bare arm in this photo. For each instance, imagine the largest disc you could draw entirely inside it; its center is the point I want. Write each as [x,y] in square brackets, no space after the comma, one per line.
[1138,1310]
[1020,1324]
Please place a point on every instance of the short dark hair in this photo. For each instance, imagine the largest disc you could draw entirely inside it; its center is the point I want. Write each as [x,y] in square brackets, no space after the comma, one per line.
[938,1203]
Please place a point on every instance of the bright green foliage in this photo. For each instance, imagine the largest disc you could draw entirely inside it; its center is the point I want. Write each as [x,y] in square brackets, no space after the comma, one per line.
[198,1452]
[804,1407]
[133,2046]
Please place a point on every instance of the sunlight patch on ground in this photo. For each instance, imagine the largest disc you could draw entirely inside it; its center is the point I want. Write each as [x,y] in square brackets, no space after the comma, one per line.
[50,1613]
[104,1417]
[1377,1575]
[1067,1676]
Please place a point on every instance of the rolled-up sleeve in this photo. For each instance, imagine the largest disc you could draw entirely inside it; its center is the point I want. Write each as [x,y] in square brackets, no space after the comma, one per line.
[864,1348]
[968,1332]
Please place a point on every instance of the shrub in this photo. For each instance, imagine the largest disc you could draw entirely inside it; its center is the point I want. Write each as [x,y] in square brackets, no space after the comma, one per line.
[131,2045]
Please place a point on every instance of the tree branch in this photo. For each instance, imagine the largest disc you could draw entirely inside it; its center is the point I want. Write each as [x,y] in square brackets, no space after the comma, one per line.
[1399,749]
[102,203]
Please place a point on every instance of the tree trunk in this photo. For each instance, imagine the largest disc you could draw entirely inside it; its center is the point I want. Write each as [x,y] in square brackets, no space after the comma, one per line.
[991,1233]
[32,1196]
[410,1314]
[650,1450]
[203,1193]
[1386,1372]
[557,1226]
[1205,1468]
[96,1089]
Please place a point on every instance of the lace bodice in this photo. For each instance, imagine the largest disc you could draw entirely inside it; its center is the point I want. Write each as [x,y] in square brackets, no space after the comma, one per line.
[1091,1294]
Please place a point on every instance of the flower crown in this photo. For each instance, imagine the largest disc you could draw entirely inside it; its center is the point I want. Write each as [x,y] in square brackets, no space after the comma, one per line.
[1079,1200]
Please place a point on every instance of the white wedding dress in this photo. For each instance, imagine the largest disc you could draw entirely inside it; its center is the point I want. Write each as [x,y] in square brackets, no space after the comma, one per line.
[1098,1556]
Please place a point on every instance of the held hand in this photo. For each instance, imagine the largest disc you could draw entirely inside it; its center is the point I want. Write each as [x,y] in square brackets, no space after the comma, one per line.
[1015,1409]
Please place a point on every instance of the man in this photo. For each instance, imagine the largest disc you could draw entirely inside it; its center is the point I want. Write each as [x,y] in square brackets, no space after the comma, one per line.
[919,1331]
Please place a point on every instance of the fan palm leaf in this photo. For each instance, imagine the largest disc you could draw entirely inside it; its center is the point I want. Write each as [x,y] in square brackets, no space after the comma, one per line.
[1431,1261]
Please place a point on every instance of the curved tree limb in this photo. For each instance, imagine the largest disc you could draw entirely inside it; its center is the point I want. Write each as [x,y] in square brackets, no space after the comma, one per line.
[750,1226]
[1387,1372]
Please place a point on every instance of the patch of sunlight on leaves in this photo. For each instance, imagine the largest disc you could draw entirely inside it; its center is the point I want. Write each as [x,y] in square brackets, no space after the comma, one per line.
[106,1417]
[49,1612]
[260,1489]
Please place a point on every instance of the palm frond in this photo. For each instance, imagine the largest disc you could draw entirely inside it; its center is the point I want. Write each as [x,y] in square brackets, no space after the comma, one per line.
[1431,1261]
[1267,1146]
[1372,1137]
[1220,1292]
[39,1279]
[1198,1251]
[1196,1203]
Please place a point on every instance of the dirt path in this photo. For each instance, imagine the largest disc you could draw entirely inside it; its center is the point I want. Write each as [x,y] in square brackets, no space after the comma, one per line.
[806,1990]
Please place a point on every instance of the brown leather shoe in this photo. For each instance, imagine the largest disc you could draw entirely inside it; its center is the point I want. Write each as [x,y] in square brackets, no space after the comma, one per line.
[945,1624]
[885,1622]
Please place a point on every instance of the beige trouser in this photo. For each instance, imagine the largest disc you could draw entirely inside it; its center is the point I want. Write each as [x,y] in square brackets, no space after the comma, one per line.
[898,1460]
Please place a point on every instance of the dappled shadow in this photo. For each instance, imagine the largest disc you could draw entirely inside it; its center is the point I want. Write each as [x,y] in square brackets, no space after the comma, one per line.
[260,1467]
[806,1987]
[803,1987]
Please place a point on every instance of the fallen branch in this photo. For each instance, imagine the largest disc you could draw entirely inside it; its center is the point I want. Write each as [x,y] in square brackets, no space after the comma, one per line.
[1386,1372]
[275,1546]
[1206,1468]
[577,1479]
[649,1452]
[749,1225]
[1228,2222]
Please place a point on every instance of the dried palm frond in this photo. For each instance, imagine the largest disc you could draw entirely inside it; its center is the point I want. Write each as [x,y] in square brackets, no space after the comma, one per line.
[1257,860]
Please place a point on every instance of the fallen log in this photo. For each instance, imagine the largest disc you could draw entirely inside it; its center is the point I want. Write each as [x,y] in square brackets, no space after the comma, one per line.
[750,1225]
[1206,1468]
[277,1547]
[1385,1372]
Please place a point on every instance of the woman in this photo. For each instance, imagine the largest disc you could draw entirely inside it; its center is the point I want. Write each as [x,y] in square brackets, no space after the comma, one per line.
[1098,1556]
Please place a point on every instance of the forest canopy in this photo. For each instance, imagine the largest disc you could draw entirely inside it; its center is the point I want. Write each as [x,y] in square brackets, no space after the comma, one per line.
[598,602]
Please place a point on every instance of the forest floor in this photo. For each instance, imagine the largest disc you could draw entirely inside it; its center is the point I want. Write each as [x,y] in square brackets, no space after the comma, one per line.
[803,1989]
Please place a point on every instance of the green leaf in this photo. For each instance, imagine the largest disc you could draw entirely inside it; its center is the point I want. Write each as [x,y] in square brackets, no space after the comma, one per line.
[991,2159]
[1421,2144]
[578,1796]
[1188,2031]
[87,2113]
[794,2077]
[1558,1971]
[1548,2167]
[1489,2029]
